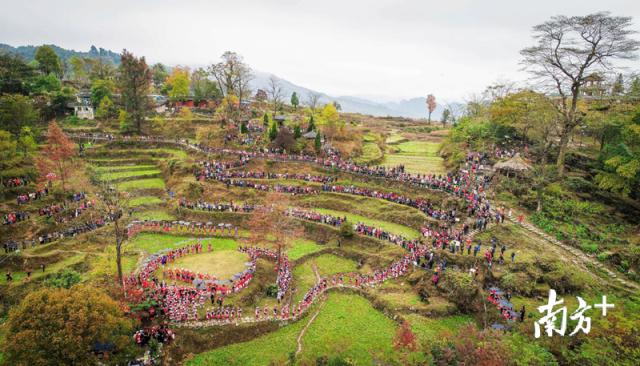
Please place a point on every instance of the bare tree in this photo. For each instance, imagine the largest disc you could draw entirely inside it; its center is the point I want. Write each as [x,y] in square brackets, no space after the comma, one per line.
[570,51]
[431,105]
[456,110]
[114,203]
[232,75]
[313,100]
[274,91]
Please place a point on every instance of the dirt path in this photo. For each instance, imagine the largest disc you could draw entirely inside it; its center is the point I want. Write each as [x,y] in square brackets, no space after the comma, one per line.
[315,271]
[304,330]
[580,258]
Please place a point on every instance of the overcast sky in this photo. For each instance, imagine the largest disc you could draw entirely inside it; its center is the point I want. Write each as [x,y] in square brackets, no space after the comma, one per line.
[382,48]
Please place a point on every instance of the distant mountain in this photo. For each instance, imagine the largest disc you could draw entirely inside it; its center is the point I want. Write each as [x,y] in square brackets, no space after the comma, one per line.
[411,108]
[28,52]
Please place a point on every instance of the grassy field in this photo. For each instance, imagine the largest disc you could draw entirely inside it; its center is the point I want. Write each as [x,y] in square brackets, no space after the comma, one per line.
[327,264]
[154,242]
[417,157]
[339,329]
[152,183]
[219,263]
[153,215]
[122,168]
[144,200]
[388,226]
[428,329]
[302,247]
[108,176]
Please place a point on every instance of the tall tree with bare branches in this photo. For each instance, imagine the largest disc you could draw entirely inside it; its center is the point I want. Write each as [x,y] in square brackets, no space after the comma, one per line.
[274,91]
[568,53]
[232,75]
[313,100]
[431,105]
[114,203]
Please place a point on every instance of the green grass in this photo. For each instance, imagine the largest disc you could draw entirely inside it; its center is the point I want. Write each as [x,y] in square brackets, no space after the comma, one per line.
[370,152]
[327,265]
[144,200]
[154,242]
[417,157]
[121,168]
[302,247]
[395,139]
[350,327]
[36,273]
[107,176]
[260,351]
[219,263]
[153,215]
[429,329]
[347,325]
[397,229]
[151,183]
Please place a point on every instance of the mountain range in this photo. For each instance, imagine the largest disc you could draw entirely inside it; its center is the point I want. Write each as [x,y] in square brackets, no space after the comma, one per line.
[410,108]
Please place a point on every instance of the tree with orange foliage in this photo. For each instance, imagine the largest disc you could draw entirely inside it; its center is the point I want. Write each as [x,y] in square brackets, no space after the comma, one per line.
[431,105]
[405,339]
[57,155]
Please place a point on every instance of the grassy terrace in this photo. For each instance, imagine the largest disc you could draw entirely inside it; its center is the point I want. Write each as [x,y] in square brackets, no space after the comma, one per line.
[339,329]
[417,157]
[150,183]
[144,200]
[122,168]
[385,225]
[326,265]
[108,176]
[154,242]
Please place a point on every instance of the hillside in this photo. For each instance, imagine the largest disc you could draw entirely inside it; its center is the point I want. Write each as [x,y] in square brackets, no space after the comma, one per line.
[28,52]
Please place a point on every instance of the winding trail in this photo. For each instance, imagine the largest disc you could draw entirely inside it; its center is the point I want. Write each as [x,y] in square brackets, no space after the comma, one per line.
[304,330]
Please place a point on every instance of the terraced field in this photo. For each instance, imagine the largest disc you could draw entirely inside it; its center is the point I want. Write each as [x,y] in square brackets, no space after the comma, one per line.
[417,156]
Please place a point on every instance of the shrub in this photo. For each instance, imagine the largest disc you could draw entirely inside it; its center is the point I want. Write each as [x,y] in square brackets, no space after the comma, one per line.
[461,290]
[64,279]
[589,247]
[519,283]
[272,290]
[346,230]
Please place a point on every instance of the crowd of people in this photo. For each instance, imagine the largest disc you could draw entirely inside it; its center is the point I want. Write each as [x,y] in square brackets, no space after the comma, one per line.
[465,184]
[181,227]
[223,175]
[15,182]
[216,207]
[13,217]
[22,199]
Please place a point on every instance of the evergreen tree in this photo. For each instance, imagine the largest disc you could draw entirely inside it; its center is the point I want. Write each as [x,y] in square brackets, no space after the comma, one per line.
[312,125]
[294,100]
[243,128]
[48,61]
[273,131]
[265,119]
[318,143]
[135,84]
[296,132]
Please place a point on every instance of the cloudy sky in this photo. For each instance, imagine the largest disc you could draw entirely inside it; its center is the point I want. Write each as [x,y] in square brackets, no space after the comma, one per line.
[376,48]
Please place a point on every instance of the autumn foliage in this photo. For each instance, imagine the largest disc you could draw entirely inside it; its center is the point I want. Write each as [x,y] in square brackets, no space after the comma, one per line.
[57,155]
[405,339]
[60,326]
